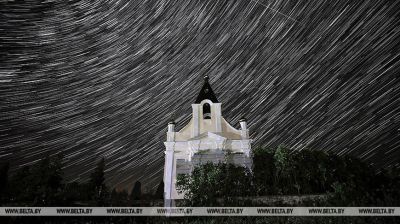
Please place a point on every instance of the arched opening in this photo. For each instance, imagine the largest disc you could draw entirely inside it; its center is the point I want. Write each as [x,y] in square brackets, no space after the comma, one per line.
[206,111]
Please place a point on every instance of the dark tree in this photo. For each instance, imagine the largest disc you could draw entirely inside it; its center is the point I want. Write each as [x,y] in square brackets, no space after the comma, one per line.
[263,170]
[39,185]
[4,183]
[97,187]
[47,180]
[97,177]
[160,191]
[136,192]
[21,189]
[119,198]
[74,194]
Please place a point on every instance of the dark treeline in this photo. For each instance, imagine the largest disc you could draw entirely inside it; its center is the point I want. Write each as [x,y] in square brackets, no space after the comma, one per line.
[346,181]
[43,185]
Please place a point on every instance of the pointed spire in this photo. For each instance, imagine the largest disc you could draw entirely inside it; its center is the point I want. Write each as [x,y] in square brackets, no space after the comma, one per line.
[206,92]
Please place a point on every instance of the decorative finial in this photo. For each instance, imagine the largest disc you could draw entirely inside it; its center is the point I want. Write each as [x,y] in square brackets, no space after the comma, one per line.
[243,119]
[206,78]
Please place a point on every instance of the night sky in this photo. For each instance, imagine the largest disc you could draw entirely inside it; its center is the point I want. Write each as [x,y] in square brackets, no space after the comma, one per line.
[98,79]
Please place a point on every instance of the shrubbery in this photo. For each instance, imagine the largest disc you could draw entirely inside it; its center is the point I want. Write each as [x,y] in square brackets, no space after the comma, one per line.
[348,181]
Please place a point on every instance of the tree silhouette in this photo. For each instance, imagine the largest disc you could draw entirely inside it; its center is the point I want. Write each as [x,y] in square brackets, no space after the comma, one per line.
[4,183]
[119,198]
[263,170]
[136,192]
[347,181]
[39,185]
[21,190]
[160,191]
[47,177]
[97,187]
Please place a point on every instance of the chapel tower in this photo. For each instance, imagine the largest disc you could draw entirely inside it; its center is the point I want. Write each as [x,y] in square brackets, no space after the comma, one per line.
[208,137]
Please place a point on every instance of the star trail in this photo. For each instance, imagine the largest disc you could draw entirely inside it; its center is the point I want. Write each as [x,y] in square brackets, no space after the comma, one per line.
[94,79]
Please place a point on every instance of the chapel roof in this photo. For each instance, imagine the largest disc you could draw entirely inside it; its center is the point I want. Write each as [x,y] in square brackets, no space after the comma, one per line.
[206,92]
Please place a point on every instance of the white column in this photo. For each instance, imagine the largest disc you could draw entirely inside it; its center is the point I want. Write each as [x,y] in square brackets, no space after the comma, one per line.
[196,117]
[168,173]
[171,132]
[246,147]
[217,115]
[244,132]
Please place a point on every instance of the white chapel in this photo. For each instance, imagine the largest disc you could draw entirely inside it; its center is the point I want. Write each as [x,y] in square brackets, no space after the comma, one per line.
[208,137]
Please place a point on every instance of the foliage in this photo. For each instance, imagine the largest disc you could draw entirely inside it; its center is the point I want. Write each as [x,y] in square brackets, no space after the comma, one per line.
[40,185]
[347,181]
[210,181]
